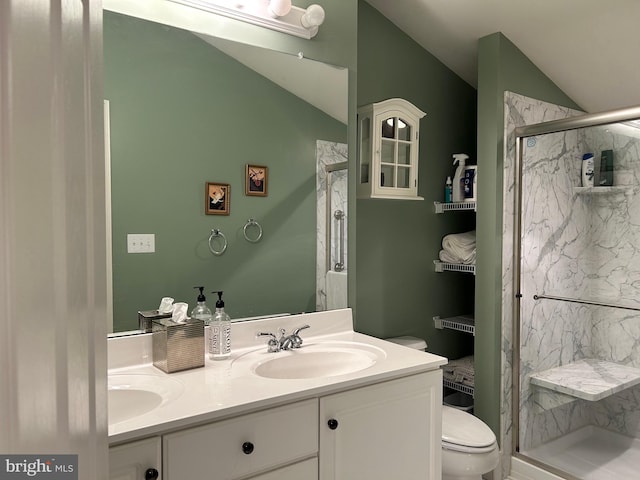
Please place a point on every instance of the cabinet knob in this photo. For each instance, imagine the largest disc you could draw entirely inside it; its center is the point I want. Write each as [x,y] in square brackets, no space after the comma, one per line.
[151,474]
[247,448]
[333,423]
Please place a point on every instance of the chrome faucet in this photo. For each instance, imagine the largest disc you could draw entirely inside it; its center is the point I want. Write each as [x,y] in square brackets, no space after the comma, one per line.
[285,342]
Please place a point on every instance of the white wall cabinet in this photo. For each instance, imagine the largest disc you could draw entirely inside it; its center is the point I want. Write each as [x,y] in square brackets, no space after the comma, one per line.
[388,140]
[385,430]
[136,460]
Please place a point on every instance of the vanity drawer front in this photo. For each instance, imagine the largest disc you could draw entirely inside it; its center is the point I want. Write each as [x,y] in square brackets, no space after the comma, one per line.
[240,446]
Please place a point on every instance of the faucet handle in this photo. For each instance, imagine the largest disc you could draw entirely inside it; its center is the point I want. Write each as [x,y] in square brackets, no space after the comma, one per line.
[296,339]
[297,330]
[273,345]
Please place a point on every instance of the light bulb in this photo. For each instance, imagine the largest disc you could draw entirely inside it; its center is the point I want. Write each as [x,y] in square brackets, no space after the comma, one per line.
[279,8]
[313,17]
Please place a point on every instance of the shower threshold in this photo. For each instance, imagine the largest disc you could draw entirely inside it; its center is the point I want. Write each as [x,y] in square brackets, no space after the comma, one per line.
[591,453]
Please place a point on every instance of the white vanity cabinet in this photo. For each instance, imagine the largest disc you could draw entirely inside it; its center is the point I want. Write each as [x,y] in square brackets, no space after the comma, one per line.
[280,437]
[139,460]
[383,431]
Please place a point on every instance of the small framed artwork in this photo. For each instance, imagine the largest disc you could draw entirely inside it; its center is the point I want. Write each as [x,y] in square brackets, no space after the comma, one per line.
[217,198]
[256,180]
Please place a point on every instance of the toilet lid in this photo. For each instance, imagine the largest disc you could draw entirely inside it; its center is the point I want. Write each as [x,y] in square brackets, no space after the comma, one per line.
[462,428]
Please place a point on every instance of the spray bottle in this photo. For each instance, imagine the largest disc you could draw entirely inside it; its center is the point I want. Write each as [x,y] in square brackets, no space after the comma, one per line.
[458,179]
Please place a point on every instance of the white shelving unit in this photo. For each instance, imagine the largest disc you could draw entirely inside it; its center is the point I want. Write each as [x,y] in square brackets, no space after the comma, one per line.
[462,323]
[454,267]
[458,387]
[454,206]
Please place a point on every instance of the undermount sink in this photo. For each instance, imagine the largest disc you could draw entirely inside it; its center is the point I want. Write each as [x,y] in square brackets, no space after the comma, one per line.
[315,360]
[130,396]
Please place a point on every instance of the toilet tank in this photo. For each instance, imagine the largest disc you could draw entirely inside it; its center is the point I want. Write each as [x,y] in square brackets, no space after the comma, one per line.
[411,342]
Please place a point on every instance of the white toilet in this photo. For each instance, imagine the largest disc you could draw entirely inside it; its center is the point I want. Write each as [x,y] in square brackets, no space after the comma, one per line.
[469,447]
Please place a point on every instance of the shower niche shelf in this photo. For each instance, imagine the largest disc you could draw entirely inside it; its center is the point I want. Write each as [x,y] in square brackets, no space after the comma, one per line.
[625,189]
[588,379]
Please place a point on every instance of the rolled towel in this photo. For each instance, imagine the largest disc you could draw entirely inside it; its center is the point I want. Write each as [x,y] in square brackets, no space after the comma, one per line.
[461,246]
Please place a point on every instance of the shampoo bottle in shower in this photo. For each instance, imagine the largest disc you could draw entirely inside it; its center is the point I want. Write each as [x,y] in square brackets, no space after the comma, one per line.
[220,342]
[457,194]
[587,170]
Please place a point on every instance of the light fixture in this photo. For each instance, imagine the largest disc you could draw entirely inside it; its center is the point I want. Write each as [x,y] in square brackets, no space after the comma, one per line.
[277,15]
[279,8]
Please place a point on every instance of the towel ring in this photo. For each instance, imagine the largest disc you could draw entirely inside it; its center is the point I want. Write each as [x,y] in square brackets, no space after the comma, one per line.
[252,223]
[215,233]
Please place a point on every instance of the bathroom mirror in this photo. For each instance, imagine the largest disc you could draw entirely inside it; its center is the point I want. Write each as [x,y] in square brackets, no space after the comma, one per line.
[186,110]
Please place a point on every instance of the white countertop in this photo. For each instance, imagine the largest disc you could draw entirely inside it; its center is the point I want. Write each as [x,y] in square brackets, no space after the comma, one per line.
[229,387]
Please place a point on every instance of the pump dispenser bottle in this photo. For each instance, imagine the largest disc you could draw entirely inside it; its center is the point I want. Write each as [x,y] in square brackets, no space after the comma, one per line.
[220,340]
[202,312]
[457,194]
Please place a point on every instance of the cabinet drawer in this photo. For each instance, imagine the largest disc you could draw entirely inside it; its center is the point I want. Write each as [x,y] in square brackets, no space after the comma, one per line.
[244,445]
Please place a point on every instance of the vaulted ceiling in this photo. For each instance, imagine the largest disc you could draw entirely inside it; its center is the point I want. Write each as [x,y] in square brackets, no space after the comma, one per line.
[588,48]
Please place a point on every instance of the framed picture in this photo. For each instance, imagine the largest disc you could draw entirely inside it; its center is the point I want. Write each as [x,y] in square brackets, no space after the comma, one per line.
[256,179]
[217,198]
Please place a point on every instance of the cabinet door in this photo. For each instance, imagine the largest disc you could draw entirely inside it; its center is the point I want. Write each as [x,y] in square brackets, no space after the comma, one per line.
[383,431]
[307,470]
[132,460]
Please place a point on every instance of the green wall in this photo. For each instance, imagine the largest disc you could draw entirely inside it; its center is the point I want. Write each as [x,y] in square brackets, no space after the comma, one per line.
[501,67]
[182,114]
[398,291]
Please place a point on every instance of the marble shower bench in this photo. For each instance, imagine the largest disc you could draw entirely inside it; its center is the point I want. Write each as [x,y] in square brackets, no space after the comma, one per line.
[588,379]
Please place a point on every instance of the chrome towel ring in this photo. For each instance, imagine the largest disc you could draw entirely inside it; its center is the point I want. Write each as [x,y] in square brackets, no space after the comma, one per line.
[215,233]
[254,238]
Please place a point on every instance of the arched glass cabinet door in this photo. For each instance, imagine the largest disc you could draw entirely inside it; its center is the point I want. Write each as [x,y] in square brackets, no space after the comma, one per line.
[388,138]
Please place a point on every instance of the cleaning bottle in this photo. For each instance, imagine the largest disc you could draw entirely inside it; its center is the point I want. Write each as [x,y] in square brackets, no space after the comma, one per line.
[448,190]
[457,194]
[220,342]
[202,312]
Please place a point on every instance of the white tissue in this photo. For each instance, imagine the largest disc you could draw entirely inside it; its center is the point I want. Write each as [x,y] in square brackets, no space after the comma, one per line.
[166,305]
[180,312]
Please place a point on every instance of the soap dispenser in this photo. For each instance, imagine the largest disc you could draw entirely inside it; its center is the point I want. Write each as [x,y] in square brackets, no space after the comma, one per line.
[458,179]
[201,311]
[220,340]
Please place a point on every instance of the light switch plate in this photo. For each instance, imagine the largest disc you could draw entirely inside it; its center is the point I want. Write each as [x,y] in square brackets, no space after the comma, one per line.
[141,243]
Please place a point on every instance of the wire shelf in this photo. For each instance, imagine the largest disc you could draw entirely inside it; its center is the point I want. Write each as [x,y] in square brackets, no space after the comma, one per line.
[454,267]
[454,207]
[459,387]
[462,323]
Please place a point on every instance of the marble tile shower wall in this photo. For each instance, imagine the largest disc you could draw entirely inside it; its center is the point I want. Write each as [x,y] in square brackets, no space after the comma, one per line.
[328,153]
[615,274]
[519,110]
[580,246]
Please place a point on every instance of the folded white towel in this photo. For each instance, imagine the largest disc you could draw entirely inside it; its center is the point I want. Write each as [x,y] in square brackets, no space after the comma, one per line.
[448,257]
[460,246]
[460,371]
